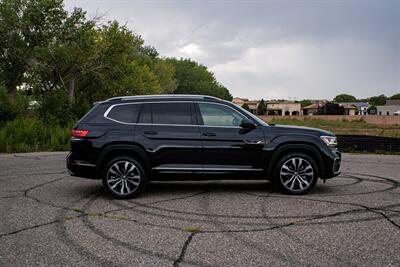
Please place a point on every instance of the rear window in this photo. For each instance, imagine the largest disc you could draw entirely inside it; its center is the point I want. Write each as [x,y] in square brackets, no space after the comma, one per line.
[124,113]
[166,113]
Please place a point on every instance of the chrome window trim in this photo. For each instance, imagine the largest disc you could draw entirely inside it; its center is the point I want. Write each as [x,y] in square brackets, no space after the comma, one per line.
[166,124]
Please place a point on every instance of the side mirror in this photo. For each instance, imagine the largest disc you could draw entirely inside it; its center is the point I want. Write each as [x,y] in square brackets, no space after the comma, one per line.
[247,124]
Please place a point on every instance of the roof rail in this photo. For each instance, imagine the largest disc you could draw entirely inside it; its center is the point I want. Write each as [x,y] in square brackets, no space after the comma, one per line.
[122,98]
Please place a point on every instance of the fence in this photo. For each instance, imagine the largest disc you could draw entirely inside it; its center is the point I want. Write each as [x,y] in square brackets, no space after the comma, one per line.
[361,143]
[372,119]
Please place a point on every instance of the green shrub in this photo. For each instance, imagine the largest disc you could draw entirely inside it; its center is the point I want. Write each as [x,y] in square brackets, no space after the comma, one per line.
[30,134]
[6,113]
[9,110]
[54,109]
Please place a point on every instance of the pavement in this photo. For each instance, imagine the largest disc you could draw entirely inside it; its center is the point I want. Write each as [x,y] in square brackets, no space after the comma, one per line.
[49,218]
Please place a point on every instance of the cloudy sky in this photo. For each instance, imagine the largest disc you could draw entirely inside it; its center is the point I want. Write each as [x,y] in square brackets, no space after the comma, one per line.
[274,49]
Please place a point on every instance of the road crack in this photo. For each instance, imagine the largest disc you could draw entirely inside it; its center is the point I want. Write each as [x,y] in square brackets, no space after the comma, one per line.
[183,250]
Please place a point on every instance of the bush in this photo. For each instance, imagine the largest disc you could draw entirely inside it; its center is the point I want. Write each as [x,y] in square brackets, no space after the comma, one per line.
[8,110]
[54,109]
[6,113]
[30,134]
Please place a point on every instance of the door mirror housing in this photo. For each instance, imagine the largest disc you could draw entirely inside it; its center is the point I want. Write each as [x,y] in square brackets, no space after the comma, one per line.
[247,124]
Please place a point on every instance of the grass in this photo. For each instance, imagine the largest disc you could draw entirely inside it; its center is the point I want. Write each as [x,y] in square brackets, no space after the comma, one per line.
[31,134]
[192,229]
[345,127]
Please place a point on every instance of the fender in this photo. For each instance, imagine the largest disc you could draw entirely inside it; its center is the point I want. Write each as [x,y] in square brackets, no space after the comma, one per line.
[296,147]
[126,147]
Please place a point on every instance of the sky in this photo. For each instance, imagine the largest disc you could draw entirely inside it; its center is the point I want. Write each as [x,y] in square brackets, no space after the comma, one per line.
[273,49]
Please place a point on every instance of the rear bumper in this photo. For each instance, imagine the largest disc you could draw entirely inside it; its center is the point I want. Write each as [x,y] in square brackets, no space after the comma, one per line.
[80,168]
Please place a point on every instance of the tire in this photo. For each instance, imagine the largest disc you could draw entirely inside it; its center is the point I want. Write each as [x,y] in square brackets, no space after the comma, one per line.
[124,177]
[295,174]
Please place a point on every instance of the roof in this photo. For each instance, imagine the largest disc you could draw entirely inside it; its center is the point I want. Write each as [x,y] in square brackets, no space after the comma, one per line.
[312,106]
[356,104]
[392,102]
[166,96]
[348,106]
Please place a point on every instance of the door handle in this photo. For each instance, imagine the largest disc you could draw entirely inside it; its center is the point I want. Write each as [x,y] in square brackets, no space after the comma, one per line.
[209,134]
[253,142]
[150,133]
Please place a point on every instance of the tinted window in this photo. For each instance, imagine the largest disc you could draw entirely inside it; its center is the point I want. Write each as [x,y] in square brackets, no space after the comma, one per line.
[171,113]
[125,113]
[145,114]
[219,115]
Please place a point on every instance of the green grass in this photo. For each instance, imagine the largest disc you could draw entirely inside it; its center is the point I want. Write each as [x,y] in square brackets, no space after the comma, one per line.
[31,134]
[345,127]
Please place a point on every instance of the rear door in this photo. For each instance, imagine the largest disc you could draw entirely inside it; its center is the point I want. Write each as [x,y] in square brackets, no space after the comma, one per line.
[229,149]
[171,137]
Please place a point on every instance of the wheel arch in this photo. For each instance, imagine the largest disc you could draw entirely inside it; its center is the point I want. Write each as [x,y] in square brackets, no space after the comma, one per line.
[308,149]
[130,149]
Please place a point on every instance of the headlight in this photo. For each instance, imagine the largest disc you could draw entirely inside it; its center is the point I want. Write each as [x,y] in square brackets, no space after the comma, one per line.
[329,140]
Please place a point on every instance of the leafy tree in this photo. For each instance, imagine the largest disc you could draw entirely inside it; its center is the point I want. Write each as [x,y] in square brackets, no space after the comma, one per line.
[246,107]
[305,102]
[261,108]
[377,100]
[193,78]
[24,26]
[372,110]
[330,108]
[396,96]
[344,98]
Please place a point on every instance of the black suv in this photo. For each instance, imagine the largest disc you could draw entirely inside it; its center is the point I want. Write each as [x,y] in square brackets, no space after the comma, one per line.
[129,141]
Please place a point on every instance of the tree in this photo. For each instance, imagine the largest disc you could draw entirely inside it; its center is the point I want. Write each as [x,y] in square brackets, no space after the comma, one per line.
[261,108]
[24,26]
[396,96]
[330,108]
[305,102]
[193,78]
[377,100]
[344,98]
[246,107]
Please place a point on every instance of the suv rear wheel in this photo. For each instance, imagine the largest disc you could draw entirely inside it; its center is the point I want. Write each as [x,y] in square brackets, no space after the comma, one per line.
[124,177]
[296,173]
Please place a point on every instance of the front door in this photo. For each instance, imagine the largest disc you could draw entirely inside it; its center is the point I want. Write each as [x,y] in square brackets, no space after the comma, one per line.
[229,149]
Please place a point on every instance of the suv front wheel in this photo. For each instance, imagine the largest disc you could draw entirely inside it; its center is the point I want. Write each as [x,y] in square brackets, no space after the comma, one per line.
[296,173]
[124,177]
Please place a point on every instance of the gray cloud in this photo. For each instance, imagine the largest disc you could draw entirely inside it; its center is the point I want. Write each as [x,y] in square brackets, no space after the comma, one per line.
[275,49]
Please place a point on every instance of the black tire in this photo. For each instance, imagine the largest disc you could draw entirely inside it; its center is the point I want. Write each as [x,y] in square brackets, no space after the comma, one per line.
[115,169]
[297,180]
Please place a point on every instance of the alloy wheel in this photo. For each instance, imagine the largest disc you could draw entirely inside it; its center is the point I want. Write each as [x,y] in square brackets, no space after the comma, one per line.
[123,177]
[297,174]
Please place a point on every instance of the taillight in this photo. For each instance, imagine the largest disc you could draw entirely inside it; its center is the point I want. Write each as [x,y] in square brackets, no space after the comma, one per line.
[79,133]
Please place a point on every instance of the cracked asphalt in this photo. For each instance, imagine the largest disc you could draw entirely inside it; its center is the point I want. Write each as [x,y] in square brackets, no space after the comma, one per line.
[49,218]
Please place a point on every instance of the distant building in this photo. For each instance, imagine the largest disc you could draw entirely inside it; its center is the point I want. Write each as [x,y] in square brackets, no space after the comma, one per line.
[311,109]
[273,108]
[283,109]
[392,107]
[252,104]
[361,107]
[239,101]
[349,109]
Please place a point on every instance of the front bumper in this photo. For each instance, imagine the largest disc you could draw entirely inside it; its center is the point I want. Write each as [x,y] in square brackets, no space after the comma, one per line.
[80,168]
[333,163]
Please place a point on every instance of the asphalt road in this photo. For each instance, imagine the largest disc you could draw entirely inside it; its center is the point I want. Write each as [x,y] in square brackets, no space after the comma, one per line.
[49,218]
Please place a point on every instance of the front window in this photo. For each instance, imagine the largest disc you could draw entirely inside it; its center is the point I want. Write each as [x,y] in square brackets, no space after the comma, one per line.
[219,115]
